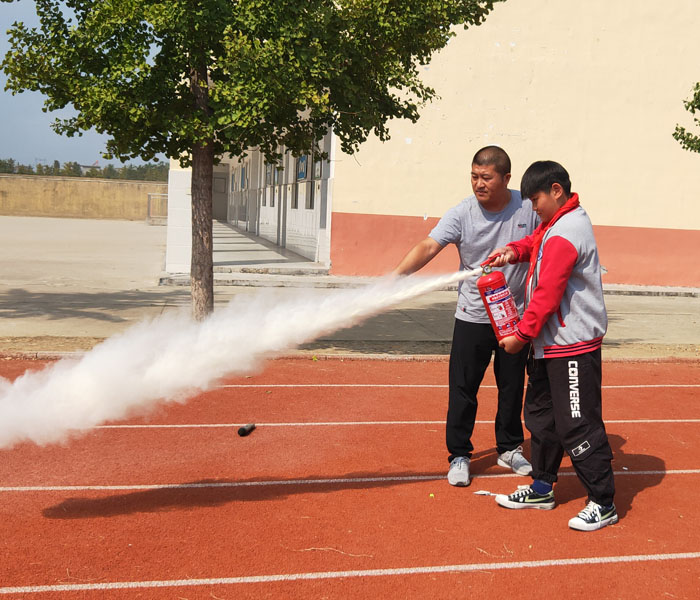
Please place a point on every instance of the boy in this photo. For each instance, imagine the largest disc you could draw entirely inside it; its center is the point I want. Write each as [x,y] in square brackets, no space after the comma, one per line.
[565,321]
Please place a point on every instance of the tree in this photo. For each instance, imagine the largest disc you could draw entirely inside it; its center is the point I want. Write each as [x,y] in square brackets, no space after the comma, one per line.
[25,170]
[196,79]
[7,165]
[109,172]
[71,169]
[94,172]
[688,140]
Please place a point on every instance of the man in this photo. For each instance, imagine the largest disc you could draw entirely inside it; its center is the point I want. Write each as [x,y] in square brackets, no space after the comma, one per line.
[475,226]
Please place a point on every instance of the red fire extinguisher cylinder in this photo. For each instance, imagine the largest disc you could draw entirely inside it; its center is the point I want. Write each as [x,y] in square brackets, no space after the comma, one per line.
[499,303]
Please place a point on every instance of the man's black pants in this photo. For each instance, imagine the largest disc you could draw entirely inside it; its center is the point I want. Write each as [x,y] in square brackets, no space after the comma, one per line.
[472,347]
[563,412]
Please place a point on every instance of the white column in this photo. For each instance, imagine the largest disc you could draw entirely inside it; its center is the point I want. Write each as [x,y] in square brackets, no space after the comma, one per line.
[178,253]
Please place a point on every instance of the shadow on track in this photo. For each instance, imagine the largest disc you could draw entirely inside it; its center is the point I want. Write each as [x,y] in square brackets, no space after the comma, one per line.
[628,480]
[217,492]
[100,306]
[205,493]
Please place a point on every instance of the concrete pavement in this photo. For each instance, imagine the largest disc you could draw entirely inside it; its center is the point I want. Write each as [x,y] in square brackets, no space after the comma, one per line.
[66,284]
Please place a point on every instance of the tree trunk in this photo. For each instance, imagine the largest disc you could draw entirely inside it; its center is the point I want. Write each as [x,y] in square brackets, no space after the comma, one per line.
[202,267]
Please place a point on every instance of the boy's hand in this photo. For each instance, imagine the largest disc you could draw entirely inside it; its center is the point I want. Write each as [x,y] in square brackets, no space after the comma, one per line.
[501,256]
[511,344]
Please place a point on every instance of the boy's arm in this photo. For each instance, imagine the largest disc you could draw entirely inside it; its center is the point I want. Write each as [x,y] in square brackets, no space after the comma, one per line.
[522,248]
[513,252]
[558,259]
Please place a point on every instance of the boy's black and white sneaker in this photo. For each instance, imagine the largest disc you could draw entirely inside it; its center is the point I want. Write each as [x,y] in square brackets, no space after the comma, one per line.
[593,517]
[526,497]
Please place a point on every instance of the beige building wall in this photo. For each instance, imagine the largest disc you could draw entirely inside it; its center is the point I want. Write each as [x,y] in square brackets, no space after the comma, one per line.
[80,198]
[597,85]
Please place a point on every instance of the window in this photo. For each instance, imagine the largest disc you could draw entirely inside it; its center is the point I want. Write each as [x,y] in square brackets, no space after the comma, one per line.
[219,184]
[277,175]
[301,167]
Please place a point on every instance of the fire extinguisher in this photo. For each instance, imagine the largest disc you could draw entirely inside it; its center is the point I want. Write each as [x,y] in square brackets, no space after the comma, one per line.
[499,303]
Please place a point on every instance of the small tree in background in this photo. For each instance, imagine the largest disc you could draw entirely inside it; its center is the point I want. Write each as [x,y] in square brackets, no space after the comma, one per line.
[94,172]
[109,172]
[25,170]
[71,169]
[688,140]
[197,79]
[7,165]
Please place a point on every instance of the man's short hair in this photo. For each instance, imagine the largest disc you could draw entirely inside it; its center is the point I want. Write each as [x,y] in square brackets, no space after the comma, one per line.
[493,155]
[541,175]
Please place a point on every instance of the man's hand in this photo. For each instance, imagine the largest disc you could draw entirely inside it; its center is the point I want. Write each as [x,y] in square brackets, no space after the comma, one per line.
[511,344]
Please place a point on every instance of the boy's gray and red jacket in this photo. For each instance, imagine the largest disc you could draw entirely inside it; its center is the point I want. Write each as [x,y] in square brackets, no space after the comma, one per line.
[565,313]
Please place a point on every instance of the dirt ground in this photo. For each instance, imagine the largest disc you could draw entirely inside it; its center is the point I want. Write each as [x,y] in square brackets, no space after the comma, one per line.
[11,346]
[49,346]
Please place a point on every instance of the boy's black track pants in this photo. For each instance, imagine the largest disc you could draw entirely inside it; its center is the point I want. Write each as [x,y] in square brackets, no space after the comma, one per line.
[563,412]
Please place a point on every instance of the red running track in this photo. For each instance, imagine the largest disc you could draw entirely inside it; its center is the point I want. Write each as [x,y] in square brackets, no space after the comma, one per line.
[340,493]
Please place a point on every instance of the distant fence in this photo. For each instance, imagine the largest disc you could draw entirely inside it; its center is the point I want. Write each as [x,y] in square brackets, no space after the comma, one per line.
[83,198]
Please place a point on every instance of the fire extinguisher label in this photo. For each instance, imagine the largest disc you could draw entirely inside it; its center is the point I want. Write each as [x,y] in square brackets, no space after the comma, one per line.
[499,303]
[503,309]
[498,294]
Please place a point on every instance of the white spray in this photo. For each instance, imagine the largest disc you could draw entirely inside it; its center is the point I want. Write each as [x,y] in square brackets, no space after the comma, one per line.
[173,357]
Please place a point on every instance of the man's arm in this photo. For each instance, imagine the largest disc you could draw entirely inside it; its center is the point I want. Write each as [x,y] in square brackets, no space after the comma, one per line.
[419,256]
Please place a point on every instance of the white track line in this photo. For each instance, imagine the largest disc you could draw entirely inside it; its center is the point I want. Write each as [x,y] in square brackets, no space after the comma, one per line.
[470,567]
[426,385]
[284,482]
[336,385]
[349,423]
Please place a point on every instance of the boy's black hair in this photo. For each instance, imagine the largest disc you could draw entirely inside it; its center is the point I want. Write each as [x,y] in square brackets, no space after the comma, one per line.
[493,155]
[541,175]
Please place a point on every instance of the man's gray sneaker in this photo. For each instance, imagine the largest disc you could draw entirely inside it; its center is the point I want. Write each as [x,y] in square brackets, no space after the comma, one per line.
[459,471]
[526,497]
[514,459]
[593,517]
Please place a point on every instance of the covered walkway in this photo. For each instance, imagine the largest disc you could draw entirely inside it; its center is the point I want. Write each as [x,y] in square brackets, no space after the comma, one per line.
[244,259]
[239,251]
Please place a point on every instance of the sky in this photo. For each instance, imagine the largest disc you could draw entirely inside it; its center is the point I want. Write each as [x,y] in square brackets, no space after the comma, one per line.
[25,131]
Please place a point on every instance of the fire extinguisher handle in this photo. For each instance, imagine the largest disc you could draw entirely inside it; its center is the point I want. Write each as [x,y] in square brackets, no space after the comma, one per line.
[489,260]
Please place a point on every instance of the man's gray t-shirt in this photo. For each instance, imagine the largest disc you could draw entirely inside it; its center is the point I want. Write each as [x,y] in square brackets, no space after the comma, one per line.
[477,232]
